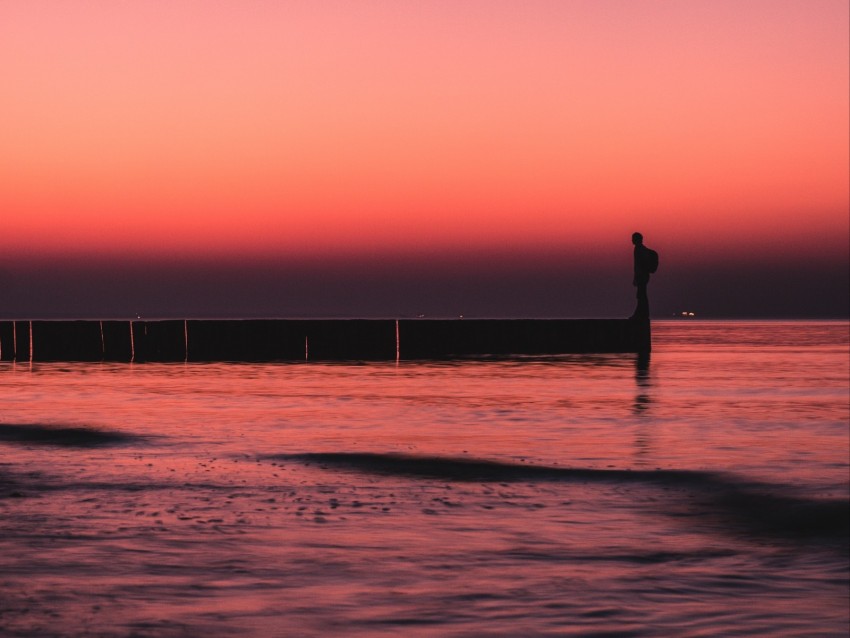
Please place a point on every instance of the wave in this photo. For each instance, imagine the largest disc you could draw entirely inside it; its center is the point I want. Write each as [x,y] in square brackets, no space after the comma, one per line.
[61,436]
[760,507]
[464,469]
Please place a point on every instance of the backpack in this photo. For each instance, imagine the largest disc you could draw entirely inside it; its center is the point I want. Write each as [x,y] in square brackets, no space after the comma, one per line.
[650,260]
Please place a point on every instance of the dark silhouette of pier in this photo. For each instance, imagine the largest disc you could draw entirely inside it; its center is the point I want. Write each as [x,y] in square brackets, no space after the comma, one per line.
[314,339]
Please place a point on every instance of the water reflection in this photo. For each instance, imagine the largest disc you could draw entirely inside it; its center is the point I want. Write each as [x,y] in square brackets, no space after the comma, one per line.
[643,383]
[641,408]
[227,498]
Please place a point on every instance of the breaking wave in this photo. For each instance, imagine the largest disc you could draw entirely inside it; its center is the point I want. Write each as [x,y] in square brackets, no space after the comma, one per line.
[762,507]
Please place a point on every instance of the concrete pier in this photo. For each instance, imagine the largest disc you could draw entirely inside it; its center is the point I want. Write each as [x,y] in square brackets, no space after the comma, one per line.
[314,339]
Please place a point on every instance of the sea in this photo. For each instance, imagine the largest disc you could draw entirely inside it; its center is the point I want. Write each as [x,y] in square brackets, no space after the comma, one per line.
[703,491]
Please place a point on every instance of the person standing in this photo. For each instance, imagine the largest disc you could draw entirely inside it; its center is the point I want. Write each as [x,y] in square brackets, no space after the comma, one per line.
[646,263]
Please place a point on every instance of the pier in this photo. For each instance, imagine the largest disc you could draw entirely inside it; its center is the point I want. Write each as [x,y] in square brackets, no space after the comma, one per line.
[258,340]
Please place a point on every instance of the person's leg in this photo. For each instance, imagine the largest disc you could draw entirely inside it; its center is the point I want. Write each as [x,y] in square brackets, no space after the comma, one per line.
[642,309]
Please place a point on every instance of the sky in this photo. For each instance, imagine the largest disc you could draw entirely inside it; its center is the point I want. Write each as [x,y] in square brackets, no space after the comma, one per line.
[173,158]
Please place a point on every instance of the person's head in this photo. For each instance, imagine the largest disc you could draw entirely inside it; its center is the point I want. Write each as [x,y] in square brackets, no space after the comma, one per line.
[637,239]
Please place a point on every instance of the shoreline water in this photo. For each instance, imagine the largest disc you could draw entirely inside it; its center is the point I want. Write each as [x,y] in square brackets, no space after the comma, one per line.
[556,495]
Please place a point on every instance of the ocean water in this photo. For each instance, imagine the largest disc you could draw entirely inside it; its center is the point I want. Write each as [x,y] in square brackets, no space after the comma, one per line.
[701,493]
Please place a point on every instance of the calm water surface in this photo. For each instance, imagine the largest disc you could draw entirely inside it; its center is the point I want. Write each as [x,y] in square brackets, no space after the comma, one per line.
[704,493]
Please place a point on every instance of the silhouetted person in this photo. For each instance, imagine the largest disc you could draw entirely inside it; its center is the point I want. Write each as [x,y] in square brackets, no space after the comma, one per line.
[646,263]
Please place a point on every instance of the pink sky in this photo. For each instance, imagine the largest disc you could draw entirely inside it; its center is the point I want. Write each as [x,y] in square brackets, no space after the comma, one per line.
[336,129]
[325,126]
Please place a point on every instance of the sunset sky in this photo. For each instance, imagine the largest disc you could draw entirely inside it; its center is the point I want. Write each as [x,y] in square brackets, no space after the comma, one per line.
[397,157]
